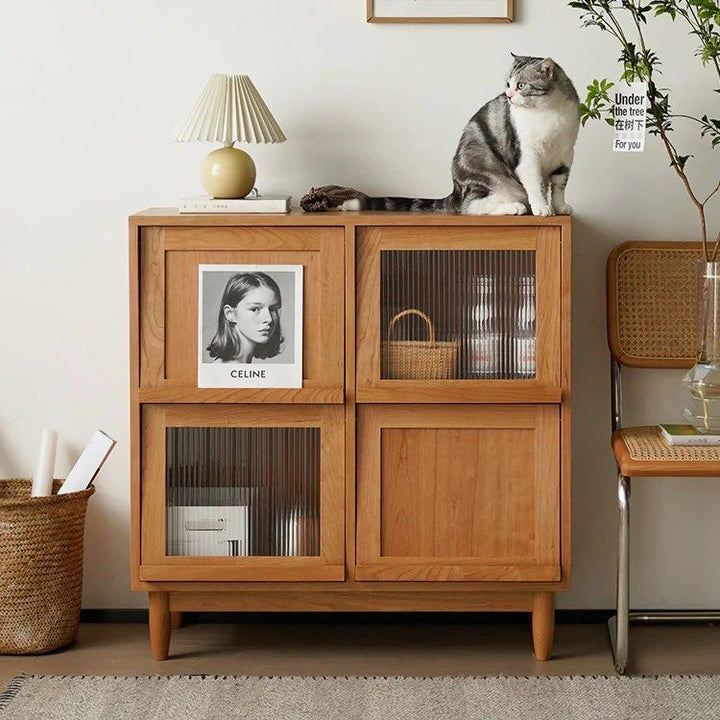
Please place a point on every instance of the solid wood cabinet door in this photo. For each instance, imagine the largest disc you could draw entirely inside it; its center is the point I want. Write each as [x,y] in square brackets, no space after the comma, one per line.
[242,492]
[448,492]
[459,314]
[169,260]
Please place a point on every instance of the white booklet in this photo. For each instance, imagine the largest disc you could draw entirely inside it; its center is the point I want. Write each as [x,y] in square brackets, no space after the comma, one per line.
[88,464]
[255,204]
[687,435]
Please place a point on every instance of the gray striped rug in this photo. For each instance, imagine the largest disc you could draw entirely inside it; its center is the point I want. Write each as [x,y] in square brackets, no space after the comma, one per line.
[196,697]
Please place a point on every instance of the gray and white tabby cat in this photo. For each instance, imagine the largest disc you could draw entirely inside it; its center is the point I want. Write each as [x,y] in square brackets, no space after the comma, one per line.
[514,155]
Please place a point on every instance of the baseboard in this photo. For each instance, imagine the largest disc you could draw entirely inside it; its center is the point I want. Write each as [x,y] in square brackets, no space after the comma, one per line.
[119,615]
[113,615]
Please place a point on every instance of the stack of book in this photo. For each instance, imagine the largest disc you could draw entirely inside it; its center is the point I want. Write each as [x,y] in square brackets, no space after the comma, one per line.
[687,435]
[257,204]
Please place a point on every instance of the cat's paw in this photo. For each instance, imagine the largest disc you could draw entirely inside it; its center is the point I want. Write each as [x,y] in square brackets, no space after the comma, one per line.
[509,208]
[563,209]
[542,210]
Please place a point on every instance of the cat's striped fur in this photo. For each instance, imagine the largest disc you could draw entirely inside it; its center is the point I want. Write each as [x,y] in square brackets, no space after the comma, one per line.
[514,155]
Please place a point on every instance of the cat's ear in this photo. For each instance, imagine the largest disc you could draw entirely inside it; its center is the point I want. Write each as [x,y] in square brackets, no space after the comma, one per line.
[515,57]
[547,68]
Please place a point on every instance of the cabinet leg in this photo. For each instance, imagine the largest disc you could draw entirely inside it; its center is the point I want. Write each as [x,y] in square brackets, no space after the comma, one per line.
[159,615]
[176,620]
[543,624]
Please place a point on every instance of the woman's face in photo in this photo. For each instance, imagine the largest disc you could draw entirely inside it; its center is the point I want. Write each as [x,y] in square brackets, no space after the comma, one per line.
[257,315]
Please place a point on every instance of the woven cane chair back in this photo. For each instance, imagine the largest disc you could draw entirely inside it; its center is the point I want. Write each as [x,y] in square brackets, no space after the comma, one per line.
[652,299]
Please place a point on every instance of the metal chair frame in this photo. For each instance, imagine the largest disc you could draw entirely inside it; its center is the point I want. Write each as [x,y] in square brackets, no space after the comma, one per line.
[619,624]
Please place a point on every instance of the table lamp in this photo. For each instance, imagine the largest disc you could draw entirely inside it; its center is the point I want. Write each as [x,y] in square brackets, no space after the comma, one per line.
[229,110]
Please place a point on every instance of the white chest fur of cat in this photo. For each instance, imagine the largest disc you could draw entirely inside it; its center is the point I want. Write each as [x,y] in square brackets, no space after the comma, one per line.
[547,138]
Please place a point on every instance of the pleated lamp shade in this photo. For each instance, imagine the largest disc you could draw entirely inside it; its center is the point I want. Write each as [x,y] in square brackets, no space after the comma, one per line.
[229,110]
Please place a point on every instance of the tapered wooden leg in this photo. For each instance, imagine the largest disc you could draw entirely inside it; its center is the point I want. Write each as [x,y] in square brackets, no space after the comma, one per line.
[176,620]
[543,624]
[159,613]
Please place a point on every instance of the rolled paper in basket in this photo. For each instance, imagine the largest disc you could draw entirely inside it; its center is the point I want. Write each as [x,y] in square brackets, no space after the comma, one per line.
[45,469]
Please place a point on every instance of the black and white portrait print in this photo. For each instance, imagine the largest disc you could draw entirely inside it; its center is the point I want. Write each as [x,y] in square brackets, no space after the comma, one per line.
[250,326]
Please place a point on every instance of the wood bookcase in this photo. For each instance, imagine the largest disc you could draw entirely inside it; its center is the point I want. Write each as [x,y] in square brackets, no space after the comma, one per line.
[429,494]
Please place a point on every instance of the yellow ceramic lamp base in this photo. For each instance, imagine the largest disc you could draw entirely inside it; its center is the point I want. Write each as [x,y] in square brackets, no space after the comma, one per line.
[228,173]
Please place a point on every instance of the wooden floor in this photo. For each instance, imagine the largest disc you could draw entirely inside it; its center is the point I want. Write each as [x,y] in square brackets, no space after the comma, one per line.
[293,647]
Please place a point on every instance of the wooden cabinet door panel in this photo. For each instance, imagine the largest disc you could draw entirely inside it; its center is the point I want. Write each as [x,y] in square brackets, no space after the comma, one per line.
[169,260]
[458,493]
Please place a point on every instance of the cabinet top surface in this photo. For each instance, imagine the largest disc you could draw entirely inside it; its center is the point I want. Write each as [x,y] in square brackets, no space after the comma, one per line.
[171,216]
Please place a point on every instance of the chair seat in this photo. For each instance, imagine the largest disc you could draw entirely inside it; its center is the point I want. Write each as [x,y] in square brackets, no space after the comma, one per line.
[642,451]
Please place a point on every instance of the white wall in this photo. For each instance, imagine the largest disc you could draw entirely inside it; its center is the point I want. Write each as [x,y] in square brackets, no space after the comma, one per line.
[91,93]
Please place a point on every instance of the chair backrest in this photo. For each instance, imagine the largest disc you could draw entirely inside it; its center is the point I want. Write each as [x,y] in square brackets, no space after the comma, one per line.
[651,303]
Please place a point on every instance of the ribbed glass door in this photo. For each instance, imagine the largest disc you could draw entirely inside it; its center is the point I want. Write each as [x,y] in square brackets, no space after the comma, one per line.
[243,491]
[458,314]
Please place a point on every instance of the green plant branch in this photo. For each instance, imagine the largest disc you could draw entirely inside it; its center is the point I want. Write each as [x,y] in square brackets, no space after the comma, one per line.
[704,34]
[717,188]
[641,63]
[690,117]
[662,130]
[710,50]
[620,34]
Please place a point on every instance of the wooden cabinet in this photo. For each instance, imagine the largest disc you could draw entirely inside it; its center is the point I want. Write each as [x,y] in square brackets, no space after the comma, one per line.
[423,465]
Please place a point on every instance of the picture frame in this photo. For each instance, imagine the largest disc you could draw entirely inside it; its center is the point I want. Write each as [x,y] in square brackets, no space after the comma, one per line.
[250,330]
[440,11]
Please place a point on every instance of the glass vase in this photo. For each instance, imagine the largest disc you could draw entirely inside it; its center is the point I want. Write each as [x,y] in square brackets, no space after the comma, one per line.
[703,379]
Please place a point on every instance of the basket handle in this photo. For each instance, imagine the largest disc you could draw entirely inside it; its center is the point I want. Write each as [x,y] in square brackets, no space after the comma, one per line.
[419,313]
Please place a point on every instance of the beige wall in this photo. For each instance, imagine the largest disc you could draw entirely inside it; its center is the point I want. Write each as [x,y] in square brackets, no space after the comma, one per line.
[91,93]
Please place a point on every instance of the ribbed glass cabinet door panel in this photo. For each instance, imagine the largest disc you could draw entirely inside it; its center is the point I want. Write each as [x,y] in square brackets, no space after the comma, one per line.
[243,491]
[458,314]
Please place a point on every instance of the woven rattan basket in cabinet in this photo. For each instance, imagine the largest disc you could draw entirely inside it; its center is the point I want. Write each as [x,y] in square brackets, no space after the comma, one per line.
[418,359]
[41,567]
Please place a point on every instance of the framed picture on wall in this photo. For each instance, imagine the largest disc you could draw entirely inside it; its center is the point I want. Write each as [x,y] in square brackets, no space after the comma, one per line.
[440,11]
[250,326]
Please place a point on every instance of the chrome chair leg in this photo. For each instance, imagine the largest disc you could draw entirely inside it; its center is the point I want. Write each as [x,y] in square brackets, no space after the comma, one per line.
[619,625]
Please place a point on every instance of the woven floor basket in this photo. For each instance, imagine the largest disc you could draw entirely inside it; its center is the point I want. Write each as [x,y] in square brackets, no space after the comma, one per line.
[41,567]
[418,359]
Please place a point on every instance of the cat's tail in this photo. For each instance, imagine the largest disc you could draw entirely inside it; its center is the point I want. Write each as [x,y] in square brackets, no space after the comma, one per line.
[334,197]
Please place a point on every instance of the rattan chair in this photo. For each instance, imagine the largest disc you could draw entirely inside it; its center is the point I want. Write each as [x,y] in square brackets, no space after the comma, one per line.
[651,299]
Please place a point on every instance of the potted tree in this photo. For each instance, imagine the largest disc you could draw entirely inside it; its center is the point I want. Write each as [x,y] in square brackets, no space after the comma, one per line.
[627,22]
